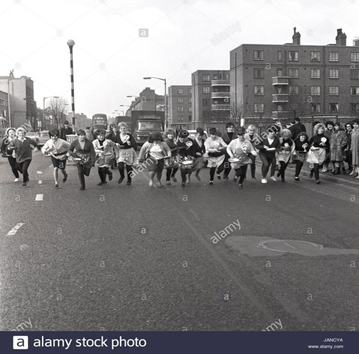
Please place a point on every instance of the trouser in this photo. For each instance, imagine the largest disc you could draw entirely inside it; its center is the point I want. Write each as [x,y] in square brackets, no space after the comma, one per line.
[315,169]
[266,162]
[226,166]
[298,167]
[121,168]
[253,165]
[12,162]
[102,172]
[282,168]
[23,168]
[349,156]
[241,173]
[171,173]
[82,171]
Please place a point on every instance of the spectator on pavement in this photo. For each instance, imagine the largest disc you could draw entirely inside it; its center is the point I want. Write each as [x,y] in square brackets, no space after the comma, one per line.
[66,130]
[295,130]
[338,143]
[300,153]
[300,125]
[354,147]
[348,152]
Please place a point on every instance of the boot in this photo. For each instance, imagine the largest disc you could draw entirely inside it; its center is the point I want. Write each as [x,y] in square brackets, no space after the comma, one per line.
[336,171]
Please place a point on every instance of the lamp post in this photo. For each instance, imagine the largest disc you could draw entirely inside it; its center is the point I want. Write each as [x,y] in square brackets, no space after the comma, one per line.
[125,105]
[165,95]
[71,43]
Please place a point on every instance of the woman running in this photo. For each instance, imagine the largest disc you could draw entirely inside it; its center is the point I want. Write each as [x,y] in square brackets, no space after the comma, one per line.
[319,145]
[23,151]
[239,151]
[127,152]
[57,148]
[200,151]
[104,156]
[300,153]
[171,164]
[84,156]
[267,150]
[285,152]
[10,135]
[254,139]
[215,154]
[153,153]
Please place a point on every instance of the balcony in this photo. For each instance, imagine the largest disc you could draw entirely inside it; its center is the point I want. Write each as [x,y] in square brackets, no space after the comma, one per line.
[220,107]
[220,94]
[280,97]
[280,114]
[220,83]
[280,80]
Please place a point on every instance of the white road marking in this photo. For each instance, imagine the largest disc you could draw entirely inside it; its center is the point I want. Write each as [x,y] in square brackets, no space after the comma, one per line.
[289,245]
[39,172]
[13,231]
[40,181]
[39,198]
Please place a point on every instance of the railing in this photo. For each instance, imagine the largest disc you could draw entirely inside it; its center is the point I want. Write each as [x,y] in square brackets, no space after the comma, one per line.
[220,94]
[280,80]
[220,107]
[220,83]
[280,97]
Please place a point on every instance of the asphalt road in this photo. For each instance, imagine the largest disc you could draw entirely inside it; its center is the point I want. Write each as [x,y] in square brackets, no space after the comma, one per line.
[120,257]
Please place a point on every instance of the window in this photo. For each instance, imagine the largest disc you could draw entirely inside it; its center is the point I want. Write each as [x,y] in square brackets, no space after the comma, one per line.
[2,102]
[293,73]
[315,90]
[258,107]
[354,107]
[314,56]
[334,90]
[293,56]
[333,73]
[354,90]
[280,72]
[279,55]
[180,118]
[315,108]
[226,77]
[258,54]
[215,77]
[206,77]
[315,73]
[294,90]
[190,90]
[258,73]
[190,100]
[205,102]
[206,89]
[189,109]
[180,109]
[333,107]
[190,118]
[180,91]
[259,89]
[354,74]
[354,57]
[180,100]
[333,56]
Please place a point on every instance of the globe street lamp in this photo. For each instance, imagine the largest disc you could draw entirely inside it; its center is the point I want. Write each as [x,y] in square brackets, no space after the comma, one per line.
[71,43]
[165,96]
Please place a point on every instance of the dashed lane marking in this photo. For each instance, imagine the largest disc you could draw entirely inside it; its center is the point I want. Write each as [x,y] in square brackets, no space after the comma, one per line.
[39,172]
[13,231]
[40,181]
[39,198]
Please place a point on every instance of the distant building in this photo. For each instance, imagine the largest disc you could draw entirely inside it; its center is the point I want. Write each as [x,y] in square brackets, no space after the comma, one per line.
[22,105]
[81,120]
[210,98]
[180,106]
[3,105]
[147,100]
[284,81]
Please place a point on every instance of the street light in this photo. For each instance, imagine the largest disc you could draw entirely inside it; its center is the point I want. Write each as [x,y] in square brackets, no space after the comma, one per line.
[71,43]
[165,82]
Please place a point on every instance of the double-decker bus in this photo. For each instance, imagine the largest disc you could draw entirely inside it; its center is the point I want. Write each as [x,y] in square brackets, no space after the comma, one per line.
[99,121]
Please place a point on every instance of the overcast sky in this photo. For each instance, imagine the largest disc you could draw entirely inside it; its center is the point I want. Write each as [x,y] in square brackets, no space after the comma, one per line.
[111,59]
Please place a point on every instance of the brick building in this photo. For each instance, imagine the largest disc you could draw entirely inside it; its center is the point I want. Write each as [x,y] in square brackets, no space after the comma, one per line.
[284,81]
[180,106]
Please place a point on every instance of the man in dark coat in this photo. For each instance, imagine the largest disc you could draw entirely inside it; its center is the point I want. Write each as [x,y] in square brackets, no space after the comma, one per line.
[295,130]
[300,125]
[66,130]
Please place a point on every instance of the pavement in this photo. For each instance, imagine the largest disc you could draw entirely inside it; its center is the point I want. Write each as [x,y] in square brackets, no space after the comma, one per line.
[118,257]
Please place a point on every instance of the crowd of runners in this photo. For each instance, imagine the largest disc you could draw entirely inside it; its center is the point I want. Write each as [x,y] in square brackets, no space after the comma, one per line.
[332,147]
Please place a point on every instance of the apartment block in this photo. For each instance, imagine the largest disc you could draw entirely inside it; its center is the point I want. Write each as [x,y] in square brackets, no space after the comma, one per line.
[180,106]
[210,98]
[289,80]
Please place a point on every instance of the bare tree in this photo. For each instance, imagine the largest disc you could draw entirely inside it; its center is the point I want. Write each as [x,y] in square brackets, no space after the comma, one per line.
[57,108]
[299,102]
[236,112]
